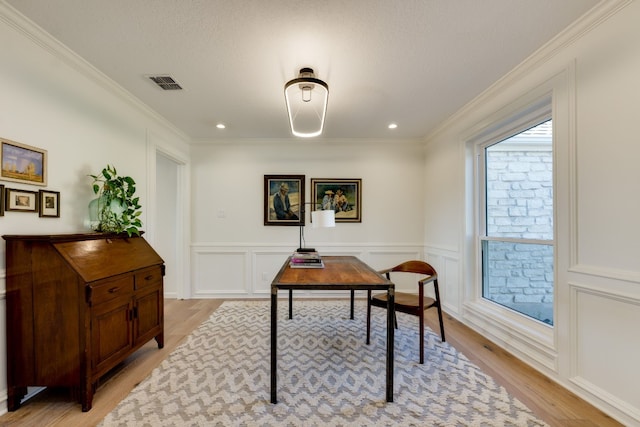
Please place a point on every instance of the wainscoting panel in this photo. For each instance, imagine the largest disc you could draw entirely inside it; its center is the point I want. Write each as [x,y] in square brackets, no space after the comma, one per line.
[447,264]
[599,341]
[451,286]
[220,273]
[266,265]
[245,271]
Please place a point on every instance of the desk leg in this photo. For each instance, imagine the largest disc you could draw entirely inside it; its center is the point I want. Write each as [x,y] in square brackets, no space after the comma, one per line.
[290,303]
[353,294]
[274,344]
[390,338]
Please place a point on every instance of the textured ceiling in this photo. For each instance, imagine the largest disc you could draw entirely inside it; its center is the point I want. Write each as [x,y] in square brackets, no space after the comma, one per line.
[413,62]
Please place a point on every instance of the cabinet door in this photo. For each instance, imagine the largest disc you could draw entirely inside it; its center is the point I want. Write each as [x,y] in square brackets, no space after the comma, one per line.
[149,313]
[111,333]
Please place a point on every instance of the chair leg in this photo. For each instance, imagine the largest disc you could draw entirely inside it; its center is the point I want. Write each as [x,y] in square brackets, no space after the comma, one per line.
[439,307]
[395,319]
[368,316]
[441,324]
[421,317]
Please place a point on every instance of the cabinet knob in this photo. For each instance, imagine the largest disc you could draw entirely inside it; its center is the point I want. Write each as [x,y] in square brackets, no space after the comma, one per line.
[114,289]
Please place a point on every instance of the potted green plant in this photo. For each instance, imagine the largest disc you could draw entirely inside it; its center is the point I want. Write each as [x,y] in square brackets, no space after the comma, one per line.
[116,210]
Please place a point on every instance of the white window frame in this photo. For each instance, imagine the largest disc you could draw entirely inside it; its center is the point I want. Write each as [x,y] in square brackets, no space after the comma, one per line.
[532,116]
[526,337]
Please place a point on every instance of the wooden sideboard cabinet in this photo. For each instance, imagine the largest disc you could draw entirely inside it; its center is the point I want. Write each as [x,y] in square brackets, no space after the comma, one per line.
[77,305]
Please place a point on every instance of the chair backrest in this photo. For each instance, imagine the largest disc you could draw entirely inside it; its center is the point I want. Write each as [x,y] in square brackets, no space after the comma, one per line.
[419,267]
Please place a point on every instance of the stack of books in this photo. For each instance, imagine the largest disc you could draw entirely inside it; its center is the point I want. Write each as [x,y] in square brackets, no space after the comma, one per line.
[306,260]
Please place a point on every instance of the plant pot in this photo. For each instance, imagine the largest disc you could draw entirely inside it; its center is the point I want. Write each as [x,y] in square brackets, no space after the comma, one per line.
[98,212]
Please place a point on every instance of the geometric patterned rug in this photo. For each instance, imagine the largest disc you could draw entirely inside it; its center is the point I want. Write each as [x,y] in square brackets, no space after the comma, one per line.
[327,375]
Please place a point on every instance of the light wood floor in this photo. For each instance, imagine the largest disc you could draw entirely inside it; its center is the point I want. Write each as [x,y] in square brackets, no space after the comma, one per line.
[550,402]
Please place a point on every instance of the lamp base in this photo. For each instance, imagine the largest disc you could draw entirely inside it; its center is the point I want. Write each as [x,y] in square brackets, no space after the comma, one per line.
[302,250]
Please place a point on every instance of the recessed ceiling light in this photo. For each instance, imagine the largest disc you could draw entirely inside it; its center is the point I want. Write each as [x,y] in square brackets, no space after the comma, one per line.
[392,126]
[220,126]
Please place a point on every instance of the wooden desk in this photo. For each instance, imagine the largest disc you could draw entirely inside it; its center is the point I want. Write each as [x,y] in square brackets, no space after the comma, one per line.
[340,273]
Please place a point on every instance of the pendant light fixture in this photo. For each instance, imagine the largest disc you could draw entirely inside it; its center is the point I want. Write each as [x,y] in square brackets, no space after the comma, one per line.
[306,98]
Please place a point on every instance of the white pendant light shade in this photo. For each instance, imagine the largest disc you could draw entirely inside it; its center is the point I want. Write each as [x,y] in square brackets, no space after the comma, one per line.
[323,219]
[306,99]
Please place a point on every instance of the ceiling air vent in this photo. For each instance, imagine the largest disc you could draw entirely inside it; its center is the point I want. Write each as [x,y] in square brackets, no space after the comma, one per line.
[166,82]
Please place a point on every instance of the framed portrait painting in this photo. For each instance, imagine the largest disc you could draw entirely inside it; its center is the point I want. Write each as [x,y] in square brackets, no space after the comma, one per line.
[22,163]
[283,196]
[343,196]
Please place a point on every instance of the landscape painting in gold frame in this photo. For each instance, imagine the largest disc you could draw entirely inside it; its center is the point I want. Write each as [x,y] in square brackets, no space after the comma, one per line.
[22,163]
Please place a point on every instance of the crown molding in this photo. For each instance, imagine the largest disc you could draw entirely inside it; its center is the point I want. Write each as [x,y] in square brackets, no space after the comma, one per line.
[54,47]
[578,29]
[311,142]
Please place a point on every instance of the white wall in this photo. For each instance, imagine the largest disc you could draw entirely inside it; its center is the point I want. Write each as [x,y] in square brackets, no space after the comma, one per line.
[235,254]
[55,101]
[594,68]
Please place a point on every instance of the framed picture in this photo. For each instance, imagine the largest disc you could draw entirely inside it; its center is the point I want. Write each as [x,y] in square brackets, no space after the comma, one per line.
[344,196]
[23,163]
[283,195]
[49,202]
[1,200]
[21,200]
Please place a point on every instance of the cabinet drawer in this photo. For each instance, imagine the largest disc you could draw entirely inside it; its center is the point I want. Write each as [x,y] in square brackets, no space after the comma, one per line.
[107,290]
[148,277]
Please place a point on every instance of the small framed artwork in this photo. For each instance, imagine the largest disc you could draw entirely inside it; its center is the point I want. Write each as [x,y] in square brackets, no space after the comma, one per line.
[343,196]
[23,163]
[1,200]
[21,200]
[283,196]
[49,202]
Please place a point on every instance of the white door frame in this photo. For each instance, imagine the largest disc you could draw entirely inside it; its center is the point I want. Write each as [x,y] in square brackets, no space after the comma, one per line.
[156,146]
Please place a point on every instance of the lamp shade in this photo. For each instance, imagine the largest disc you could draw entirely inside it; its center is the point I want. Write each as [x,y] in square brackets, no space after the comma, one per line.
[323,219]
[306,99]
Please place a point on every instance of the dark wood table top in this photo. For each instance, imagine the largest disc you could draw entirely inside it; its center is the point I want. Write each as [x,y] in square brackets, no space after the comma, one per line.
[339,272]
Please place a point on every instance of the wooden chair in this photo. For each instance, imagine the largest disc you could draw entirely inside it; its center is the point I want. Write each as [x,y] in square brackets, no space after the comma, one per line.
[410,303]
